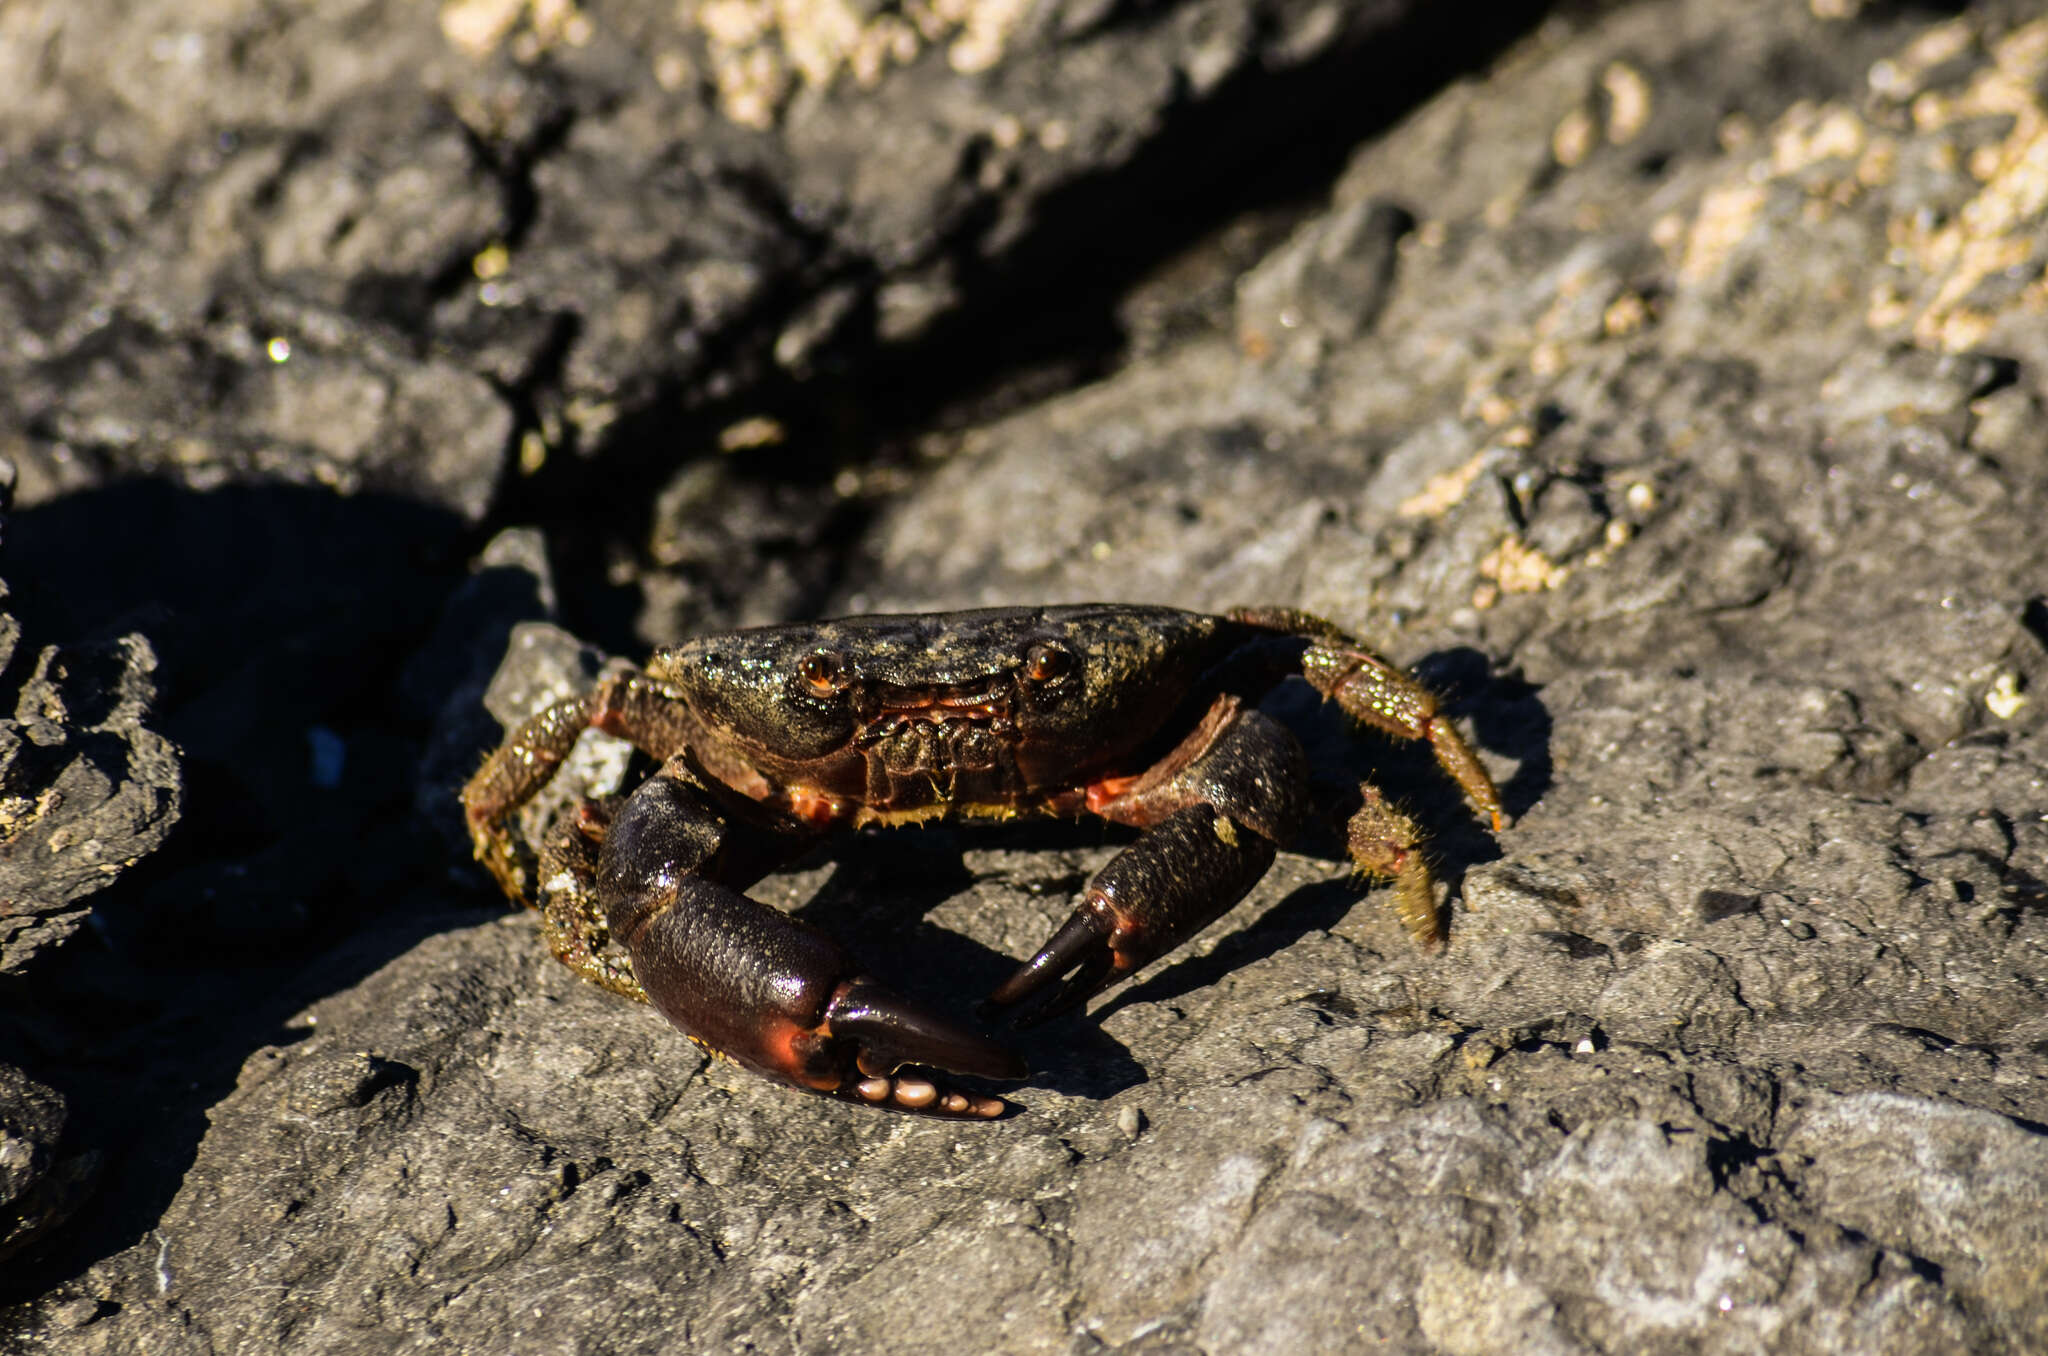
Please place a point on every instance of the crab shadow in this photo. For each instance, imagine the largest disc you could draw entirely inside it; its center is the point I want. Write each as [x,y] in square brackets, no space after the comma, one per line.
[1318,906]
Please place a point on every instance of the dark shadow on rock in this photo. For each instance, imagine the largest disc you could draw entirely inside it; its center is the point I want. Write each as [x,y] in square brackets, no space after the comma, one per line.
[222,573]
[284,619]
[1075,1057]
[1511,719]
[1505,714]
[1312,908]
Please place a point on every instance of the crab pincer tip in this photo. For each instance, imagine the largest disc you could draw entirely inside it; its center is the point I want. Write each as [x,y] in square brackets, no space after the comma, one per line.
[1072,967]
[890,1031]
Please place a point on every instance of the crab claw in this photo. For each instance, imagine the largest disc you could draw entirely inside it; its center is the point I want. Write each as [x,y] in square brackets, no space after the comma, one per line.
[1082,951]
[1170,884]
[884,1032]
[777,1004]
[761,988]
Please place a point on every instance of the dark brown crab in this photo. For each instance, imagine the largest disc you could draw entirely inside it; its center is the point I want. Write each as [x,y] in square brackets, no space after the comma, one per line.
[770,737]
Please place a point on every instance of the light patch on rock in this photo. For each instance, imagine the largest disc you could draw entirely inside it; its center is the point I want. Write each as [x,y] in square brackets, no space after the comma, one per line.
[761,51]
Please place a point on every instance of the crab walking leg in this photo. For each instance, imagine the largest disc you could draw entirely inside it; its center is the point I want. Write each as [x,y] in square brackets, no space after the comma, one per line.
[1385,843]
[1216,810]
[627,705]
[571,921]
[749,982]
[1375,692]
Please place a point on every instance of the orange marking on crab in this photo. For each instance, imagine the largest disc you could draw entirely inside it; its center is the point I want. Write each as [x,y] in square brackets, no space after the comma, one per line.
[1108,789]
[814,807]
[782,1045]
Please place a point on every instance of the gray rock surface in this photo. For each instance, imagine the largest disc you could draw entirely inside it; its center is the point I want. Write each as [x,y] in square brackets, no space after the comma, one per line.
[382,247]
[1671,396]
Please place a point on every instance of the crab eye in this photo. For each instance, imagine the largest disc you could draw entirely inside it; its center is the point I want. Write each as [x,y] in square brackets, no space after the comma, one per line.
[1043,662]
[824,671]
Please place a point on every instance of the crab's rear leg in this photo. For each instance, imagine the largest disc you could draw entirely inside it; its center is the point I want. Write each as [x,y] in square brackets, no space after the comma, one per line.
[1374,692]
[1383,841]
[628,705]
[1216,811]
[571,921]
[753,984]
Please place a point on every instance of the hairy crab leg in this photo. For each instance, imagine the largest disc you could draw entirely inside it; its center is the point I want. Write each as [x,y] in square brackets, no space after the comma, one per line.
[1373,691]
[749,982]
[1216,810]
[571,922]
[1383,842]
[628,705]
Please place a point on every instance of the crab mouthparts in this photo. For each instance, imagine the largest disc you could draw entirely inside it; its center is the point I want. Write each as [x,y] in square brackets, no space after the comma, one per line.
[890,708]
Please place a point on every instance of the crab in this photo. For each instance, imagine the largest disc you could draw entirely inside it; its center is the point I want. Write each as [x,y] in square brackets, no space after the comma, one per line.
[769,738]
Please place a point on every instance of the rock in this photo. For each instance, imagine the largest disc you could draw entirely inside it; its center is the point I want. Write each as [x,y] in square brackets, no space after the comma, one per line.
[398,247]
[88,789]
[1681,438]
[40,1183]
[1960,1188]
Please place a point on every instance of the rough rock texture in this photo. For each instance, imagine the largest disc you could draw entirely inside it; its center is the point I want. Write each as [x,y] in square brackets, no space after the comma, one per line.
[429,249]
[88,788]
[86,791]
[41,1179]
[1672,395]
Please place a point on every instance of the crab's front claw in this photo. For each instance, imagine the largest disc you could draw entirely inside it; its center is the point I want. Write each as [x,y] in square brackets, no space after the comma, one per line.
[1170,884]
[1075,964]
[753,984]
[750,983]
[886,1031]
